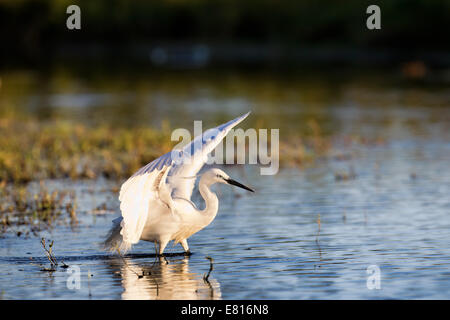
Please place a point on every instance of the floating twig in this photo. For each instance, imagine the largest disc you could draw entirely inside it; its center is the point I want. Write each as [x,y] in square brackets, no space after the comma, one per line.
[50,255]
[211,267]
[318,231]
[140,276]
[89,283]
[206,276]
[126,264]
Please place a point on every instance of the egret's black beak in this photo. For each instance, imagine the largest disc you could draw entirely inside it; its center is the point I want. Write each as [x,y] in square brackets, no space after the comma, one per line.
[237,184]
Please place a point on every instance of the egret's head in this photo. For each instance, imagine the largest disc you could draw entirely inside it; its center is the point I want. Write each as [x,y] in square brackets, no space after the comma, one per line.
[218,176]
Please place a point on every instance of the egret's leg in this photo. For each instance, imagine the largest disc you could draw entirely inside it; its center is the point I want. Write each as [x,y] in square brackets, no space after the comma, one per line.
[162,245]
[185,246]
[156,253]
[156,247]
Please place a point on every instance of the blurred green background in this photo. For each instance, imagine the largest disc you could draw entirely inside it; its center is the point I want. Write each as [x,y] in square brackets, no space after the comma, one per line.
[205,32]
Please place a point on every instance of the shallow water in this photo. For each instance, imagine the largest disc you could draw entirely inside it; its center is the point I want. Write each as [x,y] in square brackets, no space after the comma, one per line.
[267,245]
[394,214]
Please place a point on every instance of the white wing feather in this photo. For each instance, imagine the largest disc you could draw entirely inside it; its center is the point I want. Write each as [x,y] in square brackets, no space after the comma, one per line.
[136,197]
[194,157]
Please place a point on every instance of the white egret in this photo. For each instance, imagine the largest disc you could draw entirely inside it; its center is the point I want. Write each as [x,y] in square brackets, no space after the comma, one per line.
[155,201]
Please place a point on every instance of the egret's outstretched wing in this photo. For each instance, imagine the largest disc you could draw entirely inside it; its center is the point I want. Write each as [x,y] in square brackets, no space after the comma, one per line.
[188,161]
[147,188]
[138,194]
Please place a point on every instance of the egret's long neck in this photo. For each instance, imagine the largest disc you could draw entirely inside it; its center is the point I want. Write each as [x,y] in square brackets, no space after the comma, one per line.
[212,203]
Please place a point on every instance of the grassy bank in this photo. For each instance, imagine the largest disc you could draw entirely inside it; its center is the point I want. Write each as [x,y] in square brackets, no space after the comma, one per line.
[34,150]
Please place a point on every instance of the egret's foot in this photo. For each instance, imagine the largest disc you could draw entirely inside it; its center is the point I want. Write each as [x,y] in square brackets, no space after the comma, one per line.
[163,256]
[188,253]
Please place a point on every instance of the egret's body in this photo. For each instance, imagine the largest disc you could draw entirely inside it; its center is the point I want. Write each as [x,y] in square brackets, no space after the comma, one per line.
[155,201]
[186,218]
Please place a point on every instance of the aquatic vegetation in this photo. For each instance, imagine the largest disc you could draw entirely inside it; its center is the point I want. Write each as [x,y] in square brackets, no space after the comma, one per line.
[344,176]
[211,268]
[51,257]
[25,211]
[302,150]
[206,276]
[32,150]
[318,229]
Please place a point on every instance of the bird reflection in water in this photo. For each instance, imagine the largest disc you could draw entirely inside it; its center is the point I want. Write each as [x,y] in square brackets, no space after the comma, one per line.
[165,281]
